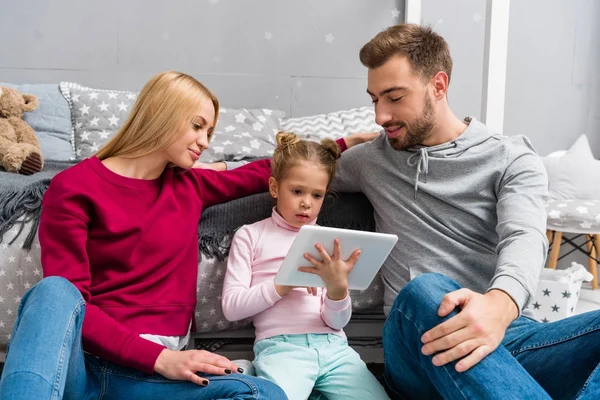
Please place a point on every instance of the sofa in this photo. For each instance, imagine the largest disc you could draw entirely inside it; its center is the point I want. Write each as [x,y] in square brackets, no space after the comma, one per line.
[74,121]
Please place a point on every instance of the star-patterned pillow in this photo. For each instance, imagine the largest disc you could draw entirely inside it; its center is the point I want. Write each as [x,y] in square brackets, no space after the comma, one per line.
[576,216]
[243,133]
[96,115]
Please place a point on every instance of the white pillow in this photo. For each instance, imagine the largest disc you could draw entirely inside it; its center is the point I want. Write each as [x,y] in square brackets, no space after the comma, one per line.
[575,175]
[333,125]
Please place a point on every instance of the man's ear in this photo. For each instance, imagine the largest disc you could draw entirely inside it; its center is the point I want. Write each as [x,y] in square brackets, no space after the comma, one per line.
[440,85]
[273,187]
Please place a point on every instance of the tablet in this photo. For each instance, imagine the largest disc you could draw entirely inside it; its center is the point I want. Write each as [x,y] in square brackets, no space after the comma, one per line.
[374,247]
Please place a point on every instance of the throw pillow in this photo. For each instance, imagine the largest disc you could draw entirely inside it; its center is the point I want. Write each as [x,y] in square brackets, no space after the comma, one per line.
[577,174]
[333,125]
[242,134]
[97,114]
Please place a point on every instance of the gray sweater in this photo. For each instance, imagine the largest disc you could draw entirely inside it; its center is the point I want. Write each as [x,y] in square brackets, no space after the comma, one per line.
[471,209]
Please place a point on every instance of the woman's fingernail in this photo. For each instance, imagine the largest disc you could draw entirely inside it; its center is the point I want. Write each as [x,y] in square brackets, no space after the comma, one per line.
[241,370]
[227,371]
[205,382]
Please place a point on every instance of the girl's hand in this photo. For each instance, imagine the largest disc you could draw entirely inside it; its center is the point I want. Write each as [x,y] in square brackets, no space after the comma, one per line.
[283,290]
[332,269]
[183,365]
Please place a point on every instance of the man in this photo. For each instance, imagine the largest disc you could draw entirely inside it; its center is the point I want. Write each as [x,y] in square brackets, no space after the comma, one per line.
[468,207]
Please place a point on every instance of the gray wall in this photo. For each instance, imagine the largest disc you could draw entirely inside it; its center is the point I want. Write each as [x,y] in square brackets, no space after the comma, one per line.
[274,53]
[552,83]
[552,73]
[260,53]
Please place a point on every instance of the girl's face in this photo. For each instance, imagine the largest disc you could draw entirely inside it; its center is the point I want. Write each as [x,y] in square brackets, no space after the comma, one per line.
[186,150]
[300,193]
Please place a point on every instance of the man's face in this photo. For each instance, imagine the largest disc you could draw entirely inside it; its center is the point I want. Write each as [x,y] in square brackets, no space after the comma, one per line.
[403,103]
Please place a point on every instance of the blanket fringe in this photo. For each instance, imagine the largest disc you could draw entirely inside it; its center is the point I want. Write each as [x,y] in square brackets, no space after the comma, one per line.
[15,205]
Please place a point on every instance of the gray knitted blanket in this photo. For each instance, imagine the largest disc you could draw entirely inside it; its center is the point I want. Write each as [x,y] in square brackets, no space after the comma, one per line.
[21,195]
[219,223]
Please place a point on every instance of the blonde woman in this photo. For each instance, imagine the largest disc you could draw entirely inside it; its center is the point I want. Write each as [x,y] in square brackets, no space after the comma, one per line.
[119,252]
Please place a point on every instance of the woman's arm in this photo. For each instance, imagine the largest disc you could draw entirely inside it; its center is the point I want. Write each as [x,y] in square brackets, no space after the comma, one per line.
[221,187]
[63,234]
[240,299]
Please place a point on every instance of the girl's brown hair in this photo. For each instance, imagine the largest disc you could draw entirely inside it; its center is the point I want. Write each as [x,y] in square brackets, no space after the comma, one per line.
[291,149]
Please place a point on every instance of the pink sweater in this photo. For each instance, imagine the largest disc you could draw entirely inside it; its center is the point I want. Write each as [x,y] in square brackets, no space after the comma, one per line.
[131,248]
[256,254]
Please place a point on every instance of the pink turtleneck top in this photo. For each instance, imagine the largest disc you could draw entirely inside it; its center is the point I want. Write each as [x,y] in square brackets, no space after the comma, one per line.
[256,254]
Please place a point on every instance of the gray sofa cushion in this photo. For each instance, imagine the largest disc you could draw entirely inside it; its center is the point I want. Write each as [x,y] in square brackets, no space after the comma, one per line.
[51,120]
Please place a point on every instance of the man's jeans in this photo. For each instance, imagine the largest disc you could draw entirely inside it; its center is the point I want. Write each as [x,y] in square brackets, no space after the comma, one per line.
[556,360]
[45,360]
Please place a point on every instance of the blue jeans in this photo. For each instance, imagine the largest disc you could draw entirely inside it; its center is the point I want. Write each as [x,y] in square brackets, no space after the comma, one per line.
[45,360]
[556,360]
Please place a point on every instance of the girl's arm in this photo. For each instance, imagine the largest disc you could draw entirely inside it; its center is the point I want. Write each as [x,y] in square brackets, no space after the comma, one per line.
[335,313]
[240,299]
[63,234]
[220,187]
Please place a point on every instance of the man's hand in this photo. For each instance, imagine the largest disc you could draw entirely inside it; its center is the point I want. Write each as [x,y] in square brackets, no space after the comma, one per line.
[474,332]
[183,365]
[358,138]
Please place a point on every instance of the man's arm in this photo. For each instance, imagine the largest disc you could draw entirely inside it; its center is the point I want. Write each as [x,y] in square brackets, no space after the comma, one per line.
[479,327]
[523,245]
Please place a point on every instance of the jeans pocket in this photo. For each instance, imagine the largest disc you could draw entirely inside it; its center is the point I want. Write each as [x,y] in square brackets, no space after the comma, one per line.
[265,347]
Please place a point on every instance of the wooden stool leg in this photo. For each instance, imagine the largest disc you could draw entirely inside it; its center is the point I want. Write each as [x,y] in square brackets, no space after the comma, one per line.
[549,235]
[593,265]
[553,259]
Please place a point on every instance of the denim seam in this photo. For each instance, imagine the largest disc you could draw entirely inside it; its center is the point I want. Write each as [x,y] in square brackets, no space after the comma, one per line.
[556,341]
[445,367]
[63,351]
[585,385]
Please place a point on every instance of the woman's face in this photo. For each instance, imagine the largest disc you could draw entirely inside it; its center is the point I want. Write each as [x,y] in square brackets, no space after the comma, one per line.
[186,150]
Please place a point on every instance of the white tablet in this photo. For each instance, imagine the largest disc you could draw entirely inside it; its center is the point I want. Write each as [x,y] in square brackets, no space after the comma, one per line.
[374,247]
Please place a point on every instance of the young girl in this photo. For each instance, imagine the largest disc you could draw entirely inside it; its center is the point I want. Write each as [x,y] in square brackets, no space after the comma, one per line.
[118,238]
[300,344]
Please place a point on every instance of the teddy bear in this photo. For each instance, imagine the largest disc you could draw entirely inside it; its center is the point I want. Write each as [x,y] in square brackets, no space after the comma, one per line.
[20,150]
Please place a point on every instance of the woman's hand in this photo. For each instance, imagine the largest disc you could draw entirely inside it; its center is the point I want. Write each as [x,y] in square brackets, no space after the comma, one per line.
[332,269]
[183,365]
[283,290]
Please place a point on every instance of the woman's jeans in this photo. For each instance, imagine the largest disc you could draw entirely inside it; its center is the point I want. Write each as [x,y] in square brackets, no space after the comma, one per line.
[45,360]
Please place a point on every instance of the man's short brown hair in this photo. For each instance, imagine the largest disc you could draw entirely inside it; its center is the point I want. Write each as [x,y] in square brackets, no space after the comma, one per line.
[427,52]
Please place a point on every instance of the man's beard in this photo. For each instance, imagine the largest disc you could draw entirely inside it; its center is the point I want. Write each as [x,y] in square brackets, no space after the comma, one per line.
[418,131]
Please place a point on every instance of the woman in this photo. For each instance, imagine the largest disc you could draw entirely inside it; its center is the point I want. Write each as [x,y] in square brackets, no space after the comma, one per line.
[118,236]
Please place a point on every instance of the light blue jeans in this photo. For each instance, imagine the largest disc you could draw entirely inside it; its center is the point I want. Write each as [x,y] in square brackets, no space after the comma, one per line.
[325,362]
[45,360]
[557,360]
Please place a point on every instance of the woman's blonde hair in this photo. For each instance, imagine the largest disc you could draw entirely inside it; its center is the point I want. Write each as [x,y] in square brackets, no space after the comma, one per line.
[167,103]
[291,149]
